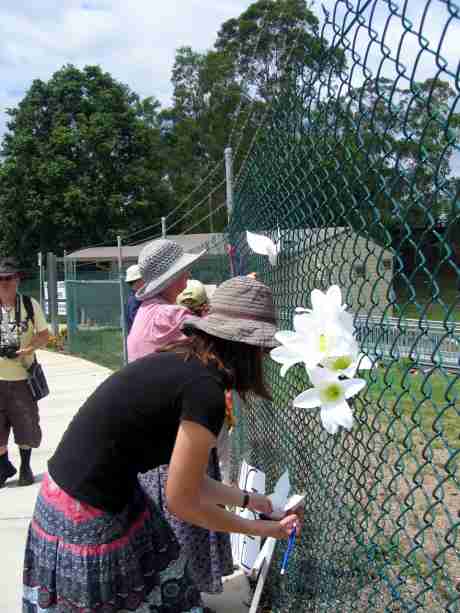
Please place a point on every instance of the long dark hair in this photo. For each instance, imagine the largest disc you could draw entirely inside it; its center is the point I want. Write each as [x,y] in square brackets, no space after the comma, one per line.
[241,365]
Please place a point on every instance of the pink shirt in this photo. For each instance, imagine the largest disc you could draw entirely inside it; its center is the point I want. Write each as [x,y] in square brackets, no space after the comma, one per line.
[157,323]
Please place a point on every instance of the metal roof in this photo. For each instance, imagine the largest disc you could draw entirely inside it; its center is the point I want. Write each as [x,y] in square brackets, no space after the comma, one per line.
[214,243]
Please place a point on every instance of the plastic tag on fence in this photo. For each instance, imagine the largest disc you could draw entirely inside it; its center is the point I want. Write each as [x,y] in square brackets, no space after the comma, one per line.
[245,548]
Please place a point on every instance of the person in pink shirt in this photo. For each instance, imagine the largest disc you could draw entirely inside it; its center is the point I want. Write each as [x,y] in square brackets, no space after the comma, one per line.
[165,270]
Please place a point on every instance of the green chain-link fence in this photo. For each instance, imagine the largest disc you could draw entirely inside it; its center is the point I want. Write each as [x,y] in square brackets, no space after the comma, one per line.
[354,171]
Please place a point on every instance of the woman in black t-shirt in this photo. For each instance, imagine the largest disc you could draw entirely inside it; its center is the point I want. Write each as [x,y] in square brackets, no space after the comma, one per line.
[95,541]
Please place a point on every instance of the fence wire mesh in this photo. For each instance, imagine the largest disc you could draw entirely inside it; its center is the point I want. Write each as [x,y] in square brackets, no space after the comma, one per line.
[355,174]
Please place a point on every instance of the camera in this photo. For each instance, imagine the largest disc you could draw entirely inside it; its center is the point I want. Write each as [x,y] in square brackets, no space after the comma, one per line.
[9,351]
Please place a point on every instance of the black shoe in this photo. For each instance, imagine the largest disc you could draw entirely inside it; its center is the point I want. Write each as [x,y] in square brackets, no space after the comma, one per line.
[26,476]
[6,472]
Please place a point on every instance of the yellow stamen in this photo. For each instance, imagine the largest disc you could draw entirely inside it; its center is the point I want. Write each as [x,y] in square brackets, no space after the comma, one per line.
[322,343]
[331,393]
[341,363]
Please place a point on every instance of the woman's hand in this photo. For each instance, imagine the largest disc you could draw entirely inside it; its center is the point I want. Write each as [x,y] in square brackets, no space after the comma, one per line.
[282,529]
[25,351]
[260,503]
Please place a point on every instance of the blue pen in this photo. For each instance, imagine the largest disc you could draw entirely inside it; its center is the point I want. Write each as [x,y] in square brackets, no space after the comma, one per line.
[289,549]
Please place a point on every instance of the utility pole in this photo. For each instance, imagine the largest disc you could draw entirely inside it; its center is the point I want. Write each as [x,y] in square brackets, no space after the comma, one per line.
[122,300]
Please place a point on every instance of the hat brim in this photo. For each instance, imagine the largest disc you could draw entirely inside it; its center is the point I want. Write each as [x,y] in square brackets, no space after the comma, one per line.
[133,279]
[154,287]
[248,331]
[11,273]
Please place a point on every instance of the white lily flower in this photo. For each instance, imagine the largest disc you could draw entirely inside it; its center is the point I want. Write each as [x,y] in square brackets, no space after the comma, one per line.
[322,339]
[331,394]
[347,365]
[313,342]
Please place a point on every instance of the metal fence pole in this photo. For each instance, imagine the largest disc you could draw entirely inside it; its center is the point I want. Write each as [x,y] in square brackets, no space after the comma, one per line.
[122,301]
[40,273]
[228,154]
[52,292]
[211,221]
[163,227]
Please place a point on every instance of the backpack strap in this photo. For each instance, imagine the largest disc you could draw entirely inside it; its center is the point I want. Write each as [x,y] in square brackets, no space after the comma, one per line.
[27,302]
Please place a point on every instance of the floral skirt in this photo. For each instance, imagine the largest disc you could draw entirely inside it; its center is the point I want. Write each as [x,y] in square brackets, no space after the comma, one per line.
[80,559]
[209,554]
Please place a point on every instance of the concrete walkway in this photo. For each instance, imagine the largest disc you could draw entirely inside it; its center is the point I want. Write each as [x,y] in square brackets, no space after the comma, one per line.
[71,380]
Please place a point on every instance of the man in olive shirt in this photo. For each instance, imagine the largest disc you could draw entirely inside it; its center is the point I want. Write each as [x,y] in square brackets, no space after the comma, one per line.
[20,336]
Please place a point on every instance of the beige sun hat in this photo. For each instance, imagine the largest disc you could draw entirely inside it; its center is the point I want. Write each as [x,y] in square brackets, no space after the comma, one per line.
[241,309]
[160,262]
[133,274]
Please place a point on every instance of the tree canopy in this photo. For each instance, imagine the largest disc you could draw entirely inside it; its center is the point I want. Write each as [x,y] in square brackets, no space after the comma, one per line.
[82,161]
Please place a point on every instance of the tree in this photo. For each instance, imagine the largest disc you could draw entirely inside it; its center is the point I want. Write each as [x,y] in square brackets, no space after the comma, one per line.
[223,97]
[82,162]
[277,43]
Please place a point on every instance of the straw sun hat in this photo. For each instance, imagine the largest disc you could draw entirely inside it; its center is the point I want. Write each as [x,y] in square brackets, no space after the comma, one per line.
[160,263]
[241,309]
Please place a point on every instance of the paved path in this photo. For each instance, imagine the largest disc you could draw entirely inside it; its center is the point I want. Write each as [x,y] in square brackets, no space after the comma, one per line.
[71,380]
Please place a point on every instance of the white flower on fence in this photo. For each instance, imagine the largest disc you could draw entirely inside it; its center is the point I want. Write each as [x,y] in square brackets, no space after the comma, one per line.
[323,340]
[263,245]
[331,394]
[320,334]
[347,366]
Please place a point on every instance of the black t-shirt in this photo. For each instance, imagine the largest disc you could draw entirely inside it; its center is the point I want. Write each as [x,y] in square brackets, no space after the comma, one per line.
[129,425]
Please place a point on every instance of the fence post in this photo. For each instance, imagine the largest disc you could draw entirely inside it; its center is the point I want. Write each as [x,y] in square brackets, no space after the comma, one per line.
[211,221]
[122,301]
[163,227]
[229,177]
[51,269]
[40,273]
[228,155]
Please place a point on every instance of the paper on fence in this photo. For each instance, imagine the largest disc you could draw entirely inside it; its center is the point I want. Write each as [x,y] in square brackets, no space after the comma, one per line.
[281,500]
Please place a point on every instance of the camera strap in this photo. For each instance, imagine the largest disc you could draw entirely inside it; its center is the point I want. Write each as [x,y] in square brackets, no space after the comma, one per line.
[17,312]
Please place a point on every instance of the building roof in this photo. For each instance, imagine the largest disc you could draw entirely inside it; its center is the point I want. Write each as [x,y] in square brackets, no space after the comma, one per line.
[214,243]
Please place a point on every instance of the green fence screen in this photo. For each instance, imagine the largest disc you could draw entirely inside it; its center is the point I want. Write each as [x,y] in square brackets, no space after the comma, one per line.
[354,172]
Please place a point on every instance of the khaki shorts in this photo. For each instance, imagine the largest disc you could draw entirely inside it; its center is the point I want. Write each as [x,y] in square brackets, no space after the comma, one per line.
[19,411]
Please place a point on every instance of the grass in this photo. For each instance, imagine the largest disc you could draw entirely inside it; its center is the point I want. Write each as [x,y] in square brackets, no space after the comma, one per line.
[436,298]
[103,346]
[416,403]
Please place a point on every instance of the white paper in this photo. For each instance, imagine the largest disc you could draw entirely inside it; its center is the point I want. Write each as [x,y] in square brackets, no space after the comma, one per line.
[280,496]
[281,500]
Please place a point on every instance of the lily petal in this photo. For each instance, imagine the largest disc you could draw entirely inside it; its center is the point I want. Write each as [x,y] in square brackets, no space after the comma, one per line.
[334,296]
[284,336]
[351,387]
[321,376]
[317,299]
[282,355]
[339,415]
[309,399]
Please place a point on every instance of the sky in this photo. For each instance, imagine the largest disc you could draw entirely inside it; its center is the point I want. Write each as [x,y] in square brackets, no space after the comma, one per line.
[136,40]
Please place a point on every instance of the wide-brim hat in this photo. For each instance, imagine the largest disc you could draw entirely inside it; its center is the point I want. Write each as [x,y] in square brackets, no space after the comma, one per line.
[160,263]
[8,267]
[241,309]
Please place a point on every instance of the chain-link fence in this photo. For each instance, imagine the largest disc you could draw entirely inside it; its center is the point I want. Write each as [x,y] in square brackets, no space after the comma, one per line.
[354,172]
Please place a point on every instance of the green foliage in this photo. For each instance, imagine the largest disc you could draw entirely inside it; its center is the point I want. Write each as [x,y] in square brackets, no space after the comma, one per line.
[82,162]
[222,97]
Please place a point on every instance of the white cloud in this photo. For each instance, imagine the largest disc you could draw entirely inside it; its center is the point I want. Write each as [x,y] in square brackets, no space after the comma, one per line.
[134,40]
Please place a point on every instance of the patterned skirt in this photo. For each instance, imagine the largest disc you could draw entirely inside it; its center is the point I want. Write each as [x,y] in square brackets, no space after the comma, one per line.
[209,554]
[80,559]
